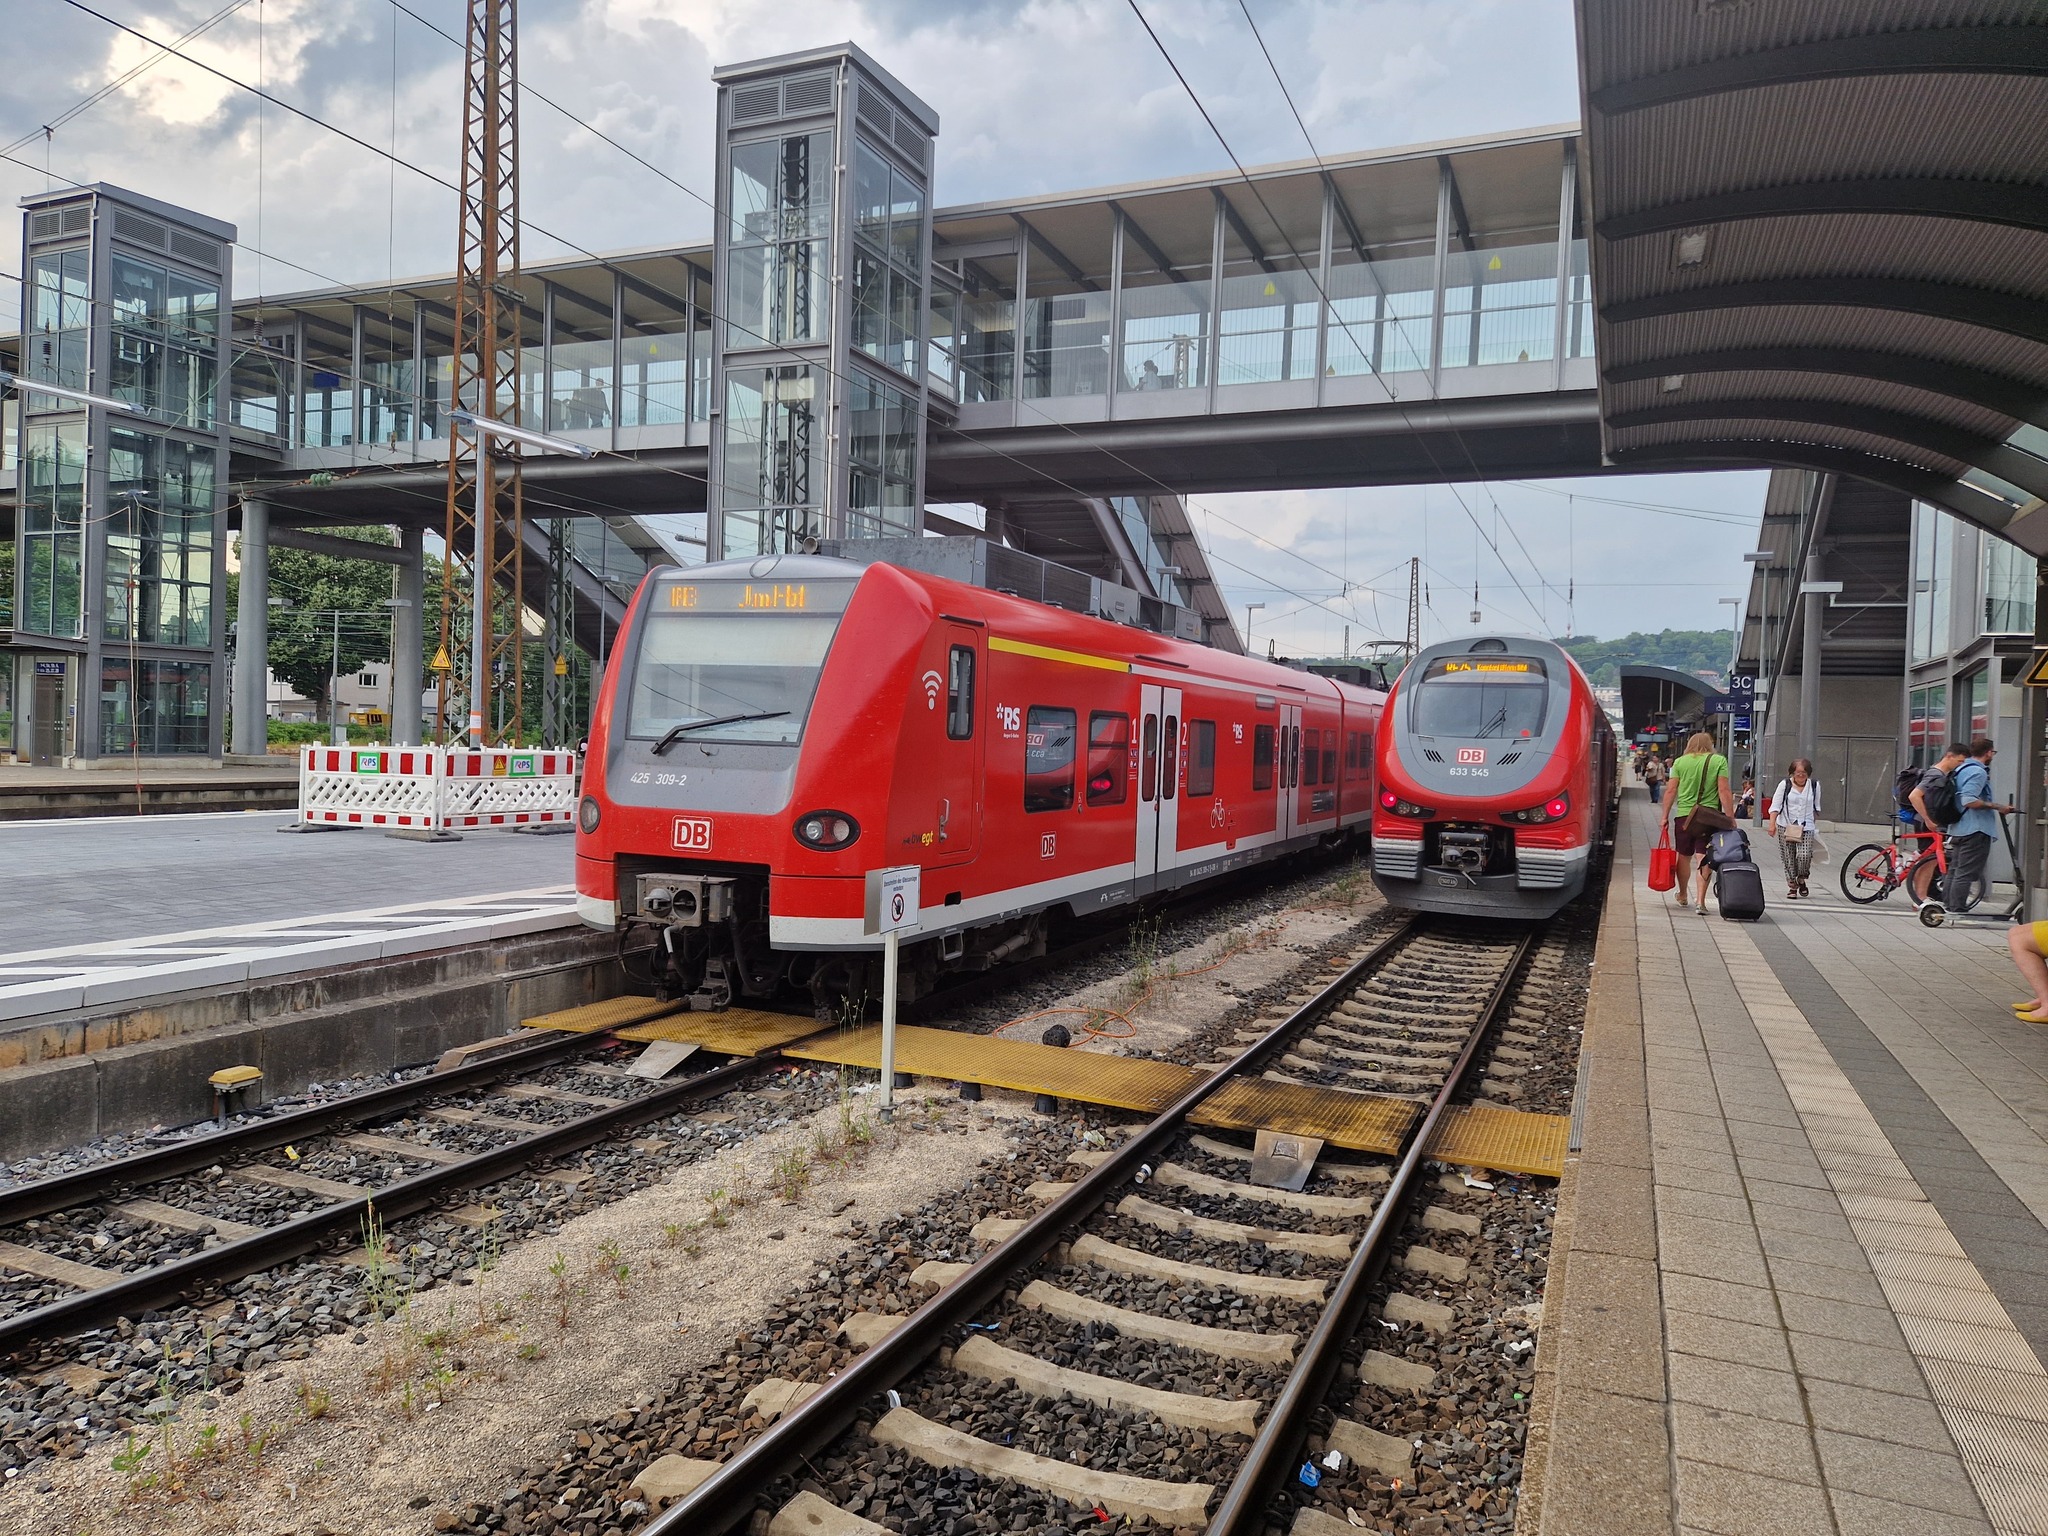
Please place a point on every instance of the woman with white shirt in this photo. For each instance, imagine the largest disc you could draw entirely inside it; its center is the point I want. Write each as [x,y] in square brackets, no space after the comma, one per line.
[1794,820]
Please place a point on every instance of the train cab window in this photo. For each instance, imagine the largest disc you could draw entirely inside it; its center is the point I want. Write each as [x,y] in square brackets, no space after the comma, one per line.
[1169,757]
[1201,757]
[1479,698]
[1048,759]
[1148,758]
[1309,758]
[1109,759]
[960,693]
[1262,757]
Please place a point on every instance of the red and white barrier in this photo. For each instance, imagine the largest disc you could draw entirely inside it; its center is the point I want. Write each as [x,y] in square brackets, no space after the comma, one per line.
[436,789]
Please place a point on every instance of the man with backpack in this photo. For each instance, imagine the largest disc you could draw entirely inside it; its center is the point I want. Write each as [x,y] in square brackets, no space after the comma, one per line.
[1974,830]
[1934,797]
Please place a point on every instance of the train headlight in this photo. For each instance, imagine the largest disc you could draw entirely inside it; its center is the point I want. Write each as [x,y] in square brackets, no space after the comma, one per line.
[827,831]
[1389,801]
[1556,808]
[587,814]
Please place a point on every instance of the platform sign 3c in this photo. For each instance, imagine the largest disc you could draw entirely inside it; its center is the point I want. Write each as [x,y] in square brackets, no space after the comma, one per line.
[892,899]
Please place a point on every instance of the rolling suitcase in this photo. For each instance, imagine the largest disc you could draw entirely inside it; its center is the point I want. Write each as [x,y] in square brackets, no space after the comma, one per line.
[1740,890]
[1729,847]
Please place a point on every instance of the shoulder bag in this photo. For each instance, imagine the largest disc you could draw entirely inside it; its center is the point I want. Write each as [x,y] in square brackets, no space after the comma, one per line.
[1708,816]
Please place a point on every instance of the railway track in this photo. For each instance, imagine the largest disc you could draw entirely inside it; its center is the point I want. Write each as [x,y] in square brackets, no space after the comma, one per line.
[1100,1286]
[320,1171]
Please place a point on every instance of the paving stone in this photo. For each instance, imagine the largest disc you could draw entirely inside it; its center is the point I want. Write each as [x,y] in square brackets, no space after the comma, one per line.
[1739,1503]
[1741,1440]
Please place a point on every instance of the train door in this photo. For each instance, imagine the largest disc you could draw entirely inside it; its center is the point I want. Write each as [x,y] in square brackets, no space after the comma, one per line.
[956,814]
[1158,786]
[1289,819]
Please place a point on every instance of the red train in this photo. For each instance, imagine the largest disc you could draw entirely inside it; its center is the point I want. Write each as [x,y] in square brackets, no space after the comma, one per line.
[770,730]
[1496,770]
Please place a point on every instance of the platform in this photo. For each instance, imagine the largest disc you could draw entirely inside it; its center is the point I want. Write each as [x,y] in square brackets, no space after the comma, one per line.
[101,879]
[1799,1282]
[32,793]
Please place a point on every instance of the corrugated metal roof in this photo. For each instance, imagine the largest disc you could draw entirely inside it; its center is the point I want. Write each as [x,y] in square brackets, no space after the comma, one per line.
[1695,99]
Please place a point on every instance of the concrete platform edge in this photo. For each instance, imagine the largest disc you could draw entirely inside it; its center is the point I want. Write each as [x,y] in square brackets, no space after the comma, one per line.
[1598,1454]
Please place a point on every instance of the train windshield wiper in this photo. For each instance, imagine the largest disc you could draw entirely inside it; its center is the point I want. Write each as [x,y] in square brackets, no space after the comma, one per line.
[1498,720]
[677,732]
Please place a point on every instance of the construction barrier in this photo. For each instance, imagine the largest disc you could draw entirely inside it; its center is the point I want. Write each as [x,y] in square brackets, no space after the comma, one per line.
[436,789]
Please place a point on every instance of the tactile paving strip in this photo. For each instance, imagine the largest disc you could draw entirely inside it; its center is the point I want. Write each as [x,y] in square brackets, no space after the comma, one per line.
[609,1014]
[1360,1122]
[1511,1140]
[735,1032]
[1122,1082]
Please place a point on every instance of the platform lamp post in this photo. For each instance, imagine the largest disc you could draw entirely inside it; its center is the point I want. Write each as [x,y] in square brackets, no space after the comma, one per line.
[1249,610]
[1767,681]
[1734,654]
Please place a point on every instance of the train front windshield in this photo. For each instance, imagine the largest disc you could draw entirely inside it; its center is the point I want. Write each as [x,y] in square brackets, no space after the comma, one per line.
[1480,698]
[733,660]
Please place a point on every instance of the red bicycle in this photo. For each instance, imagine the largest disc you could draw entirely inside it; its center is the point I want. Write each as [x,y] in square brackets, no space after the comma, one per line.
[1874,870]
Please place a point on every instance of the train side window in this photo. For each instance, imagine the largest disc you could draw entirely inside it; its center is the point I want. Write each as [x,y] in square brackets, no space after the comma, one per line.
[1109,759]
[1201,757]
[1262,757]
[1048,759]
[960,693]
[1169,757]
[1148,758]
[1290,771]
[1329,757]
[1309,758]
[1350,754]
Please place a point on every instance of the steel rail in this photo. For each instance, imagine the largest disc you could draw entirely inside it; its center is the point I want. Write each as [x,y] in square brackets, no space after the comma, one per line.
[165,1283]
[103,1179]
[1272,1457]
[728,1496]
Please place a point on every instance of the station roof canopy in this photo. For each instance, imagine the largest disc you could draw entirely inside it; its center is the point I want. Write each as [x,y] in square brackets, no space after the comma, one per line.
[1651,695]
[1820,240]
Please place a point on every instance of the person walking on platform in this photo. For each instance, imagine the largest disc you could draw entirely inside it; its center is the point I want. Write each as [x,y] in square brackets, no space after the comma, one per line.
[1654,775]
[1794,820]
[1698,779]
[1970,840]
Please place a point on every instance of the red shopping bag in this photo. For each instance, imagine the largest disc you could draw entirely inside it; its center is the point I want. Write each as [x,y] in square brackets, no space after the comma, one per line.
[1663,861]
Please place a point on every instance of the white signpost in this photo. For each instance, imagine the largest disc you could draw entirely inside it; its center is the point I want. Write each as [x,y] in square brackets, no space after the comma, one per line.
[892,906]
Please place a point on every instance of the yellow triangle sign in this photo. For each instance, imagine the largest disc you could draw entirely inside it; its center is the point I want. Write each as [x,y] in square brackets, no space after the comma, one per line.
[441,661]
[2035,673]
[561,666]
[1493,265]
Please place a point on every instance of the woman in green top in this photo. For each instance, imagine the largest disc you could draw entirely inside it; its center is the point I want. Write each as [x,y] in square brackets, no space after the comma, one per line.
[1698,778]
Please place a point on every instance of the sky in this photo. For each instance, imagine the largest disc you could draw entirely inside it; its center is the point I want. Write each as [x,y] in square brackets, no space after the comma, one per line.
[1032,95]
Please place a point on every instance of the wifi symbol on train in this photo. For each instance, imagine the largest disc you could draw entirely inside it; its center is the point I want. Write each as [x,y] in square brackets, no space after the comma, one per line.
[932,684]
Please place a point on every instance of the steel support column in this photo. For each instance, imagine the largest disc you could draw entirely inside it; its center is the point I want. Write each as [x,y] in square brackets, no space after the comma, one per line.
[252,634]
[406,639]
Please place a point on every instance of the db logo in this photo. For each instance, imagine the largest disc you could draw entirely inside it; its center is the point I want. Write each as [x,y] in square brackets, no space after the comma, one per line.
[692,835]
[1047,845]
[1471,754]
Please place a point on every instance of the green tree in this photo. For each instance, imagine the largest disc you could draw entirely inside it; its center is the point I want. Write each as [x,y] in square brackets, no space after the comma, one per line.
[1685,650]
[328,596]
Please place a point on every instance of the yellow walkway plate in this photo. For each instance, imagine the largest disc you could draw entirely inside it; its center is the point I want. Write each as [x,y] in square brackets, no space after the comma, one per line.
[1361,1122]
[1122,1082]
[609,1014]
[735,1032]
[1512,1140]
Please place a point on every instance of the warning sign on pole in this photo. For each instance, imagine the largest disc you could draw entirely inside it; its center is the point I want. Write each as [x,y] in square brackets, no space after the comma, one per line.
[892,899]
[441,661]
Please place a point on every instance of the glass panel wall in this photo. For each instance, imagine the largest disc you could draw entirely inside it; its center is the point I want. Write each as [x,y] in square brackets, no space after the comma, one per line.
[942,342]
[327,385]
[988,327]
[1135,513]
[260,392]
[155,708]
[437,370]
[888,284]
[1270,307]
[60,308]
[704,302]
[51,548]
[1163,331]
[774,459]
[1926,724]
[1974,694]
[160,537]
[2008,588]
[1500,273]
[1382,283]
[779,254]
[1578,316]
[883,450]
[580,372]
[1933,558]
[1067,318]
[166,326]
[390,381]
[654,355]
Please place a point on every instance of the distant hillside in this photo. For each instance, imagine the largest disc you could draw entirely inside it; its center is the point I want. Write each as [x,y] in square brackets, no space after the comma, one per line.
[1687,650]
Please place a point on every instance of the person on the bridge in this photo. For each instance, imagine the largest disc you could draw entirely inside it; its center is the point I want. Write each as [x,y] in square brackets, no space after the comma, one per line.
[1969,840]
[1699,778]
[1794,820]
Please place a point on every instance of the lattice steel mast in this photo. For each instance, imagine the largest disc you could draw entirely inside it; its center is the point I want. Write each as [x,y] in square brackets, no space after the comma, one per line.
[485,501]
